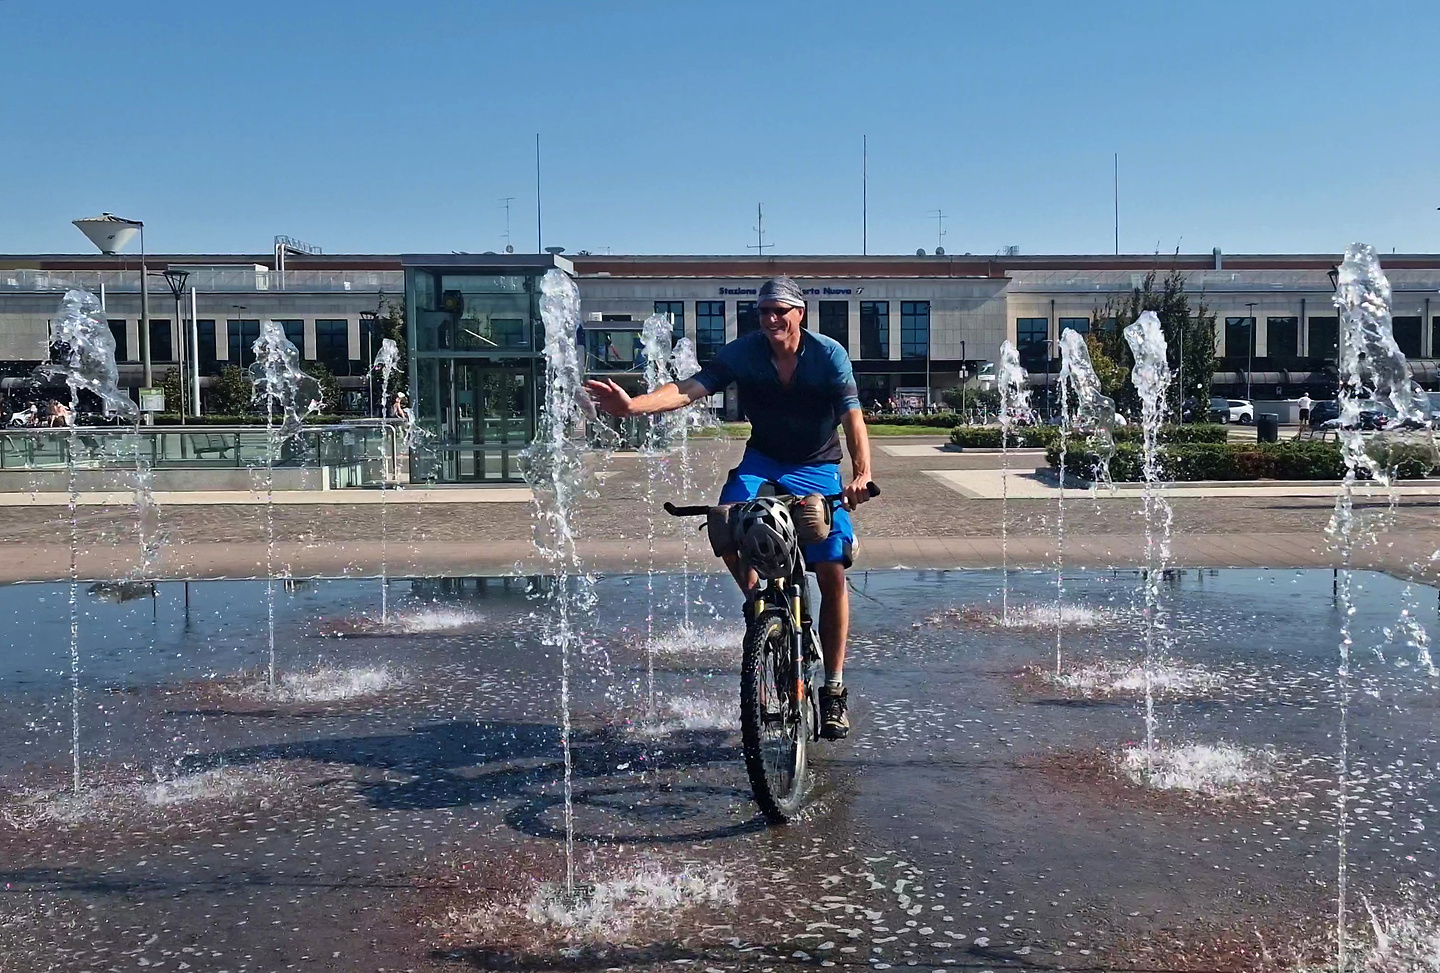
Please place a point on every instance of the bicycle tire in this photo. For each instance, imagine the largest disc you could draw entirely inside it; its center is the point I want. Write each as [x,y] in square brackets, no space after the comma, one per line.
[779,783]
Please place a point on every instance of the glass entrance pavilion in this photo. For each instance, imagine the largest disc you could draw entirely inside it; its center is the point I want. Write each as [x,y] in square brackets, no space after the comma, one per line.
[475,340]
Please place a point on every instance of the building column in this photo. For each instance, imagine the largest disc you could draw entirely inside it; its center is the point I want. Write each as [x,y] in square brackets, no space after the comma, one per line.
[853,308]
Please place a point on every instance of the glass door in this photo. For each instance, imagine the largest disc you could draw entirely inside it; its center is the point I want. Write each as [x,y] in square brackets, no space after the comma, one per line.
[486,419]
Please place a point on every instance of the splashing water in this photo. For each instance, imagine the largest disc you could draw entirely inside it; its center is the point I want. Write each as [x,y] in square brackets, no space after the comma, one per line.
[1014,408]
[1372,367]
[283,386]
[326,684]
[387,359]
[555,469]
[697,418]
[655,342]
[85,357]
[1151,376]
[1218,770]
[617,904]
[1110,679]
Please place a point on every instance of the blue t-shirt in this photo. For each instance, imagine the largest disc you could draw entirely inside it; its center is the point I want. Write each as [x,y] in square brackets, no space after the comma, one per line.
[792,423]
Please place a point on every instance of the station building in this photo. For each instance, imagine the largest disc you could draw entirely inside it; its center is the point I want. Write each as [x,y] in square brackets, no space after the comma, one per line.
[908,322]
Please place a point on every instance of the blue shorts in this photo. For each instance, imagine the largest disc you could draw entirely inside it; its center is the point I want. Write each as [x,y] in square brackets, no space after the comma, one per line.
[757,469]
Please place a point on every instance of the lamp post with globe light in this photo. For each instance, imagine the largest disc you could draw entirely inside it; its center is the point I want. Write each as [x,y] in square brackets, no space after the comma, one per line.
[176,279]
[111,234]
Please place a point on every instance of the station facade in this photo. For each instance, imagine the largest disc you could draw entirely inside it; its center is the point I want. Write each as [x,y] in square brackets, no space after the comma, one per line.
[907,322]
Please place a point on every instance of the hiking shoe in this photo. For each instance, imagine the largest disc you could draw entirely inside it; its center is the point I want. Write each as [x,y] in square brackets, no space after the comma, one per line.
[834,723]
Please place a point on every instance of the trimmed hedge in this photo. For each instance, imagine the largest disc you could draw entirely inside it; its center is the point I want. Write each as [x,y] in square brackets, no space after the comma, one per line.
[173,419]
[942,420]
[988,437]
[1291,460]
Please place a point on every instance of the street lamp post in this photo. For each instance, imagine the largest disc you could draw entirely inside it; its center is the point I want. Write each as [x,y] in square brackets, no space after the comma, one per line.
[1249,349]
[110,234]
[367,324]
[176,279]
[964,374]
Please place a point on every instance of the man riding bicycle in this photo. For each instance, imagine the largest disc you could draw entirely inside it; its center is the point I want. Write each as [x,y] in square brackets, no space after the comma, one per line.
[795,387]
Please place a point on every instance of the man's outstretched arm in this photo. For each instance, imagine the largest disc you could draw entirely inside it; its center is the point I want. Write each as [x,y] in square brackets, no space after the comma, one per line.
[612,399]
[857,439]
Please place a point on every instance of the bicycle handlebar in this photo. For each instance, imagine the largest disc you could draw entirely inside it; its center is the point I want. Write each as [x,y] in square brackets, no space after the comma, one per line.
[703,510]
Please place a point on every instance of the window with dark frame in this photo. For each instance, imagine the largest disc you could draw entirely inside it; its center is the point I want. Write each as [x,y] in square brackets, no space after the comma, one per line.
[1406,329]
[332,344]
[914,329]
[205,333]
[875,329]
[747,318]
[835,321]
[117,330]
[1080,325]
[1282,337]
[294,333]
[709,329]
[1324,337]
[1239,331]
[242,335]
[676,310]
[161,347]
[1030,340]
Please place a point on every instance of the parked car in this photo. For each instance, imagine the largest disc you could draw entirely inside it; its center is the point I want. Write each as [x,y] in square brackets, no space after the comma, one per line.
[1219,410]
[1241,411]
[1322,413]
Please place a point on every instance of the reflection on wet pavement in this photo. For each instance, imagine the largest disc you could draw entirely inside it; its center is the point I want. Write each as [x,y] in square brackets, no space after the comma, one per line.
[395,802]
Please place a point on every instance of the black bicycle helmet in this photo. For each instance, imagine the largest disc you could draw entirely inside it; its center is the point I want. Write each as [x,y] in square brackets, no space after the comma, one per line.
[765,533]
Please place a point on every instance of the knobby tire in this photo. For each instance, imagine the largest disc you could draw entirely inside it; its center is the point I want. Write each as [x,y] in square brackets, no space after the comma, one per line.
[779,799]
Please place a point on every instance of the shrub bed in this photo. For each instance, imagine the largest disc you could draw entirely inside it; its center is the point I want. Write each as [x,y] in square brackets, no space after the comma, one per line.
[1188,462]
[988,437]
[942,420]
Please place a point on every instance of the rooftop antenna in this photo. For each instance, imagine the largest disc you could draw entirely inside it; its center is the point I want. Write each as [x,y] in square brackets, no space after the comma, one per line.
[938,216]
[509,248]
[864,195]
[1117,204]
[759,243]
[539,237]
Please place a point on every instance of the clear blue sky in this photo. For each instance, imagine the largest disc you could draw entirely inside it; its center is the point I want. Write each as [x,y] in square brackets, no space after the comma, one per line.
[368,126]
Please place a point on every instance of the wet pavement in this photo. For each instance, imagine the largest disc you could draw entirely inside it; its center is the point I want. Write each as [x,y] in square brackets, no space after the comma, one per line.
[396,803]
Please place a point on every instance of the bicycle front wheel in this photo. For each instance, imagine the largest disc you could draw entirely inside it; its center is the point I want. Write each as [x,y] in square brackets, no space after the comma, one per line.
[774,729]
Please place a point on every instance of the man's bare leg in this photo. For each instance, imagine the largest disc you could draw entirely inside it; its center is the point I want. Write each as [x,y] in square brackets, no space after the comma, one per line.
[834,617]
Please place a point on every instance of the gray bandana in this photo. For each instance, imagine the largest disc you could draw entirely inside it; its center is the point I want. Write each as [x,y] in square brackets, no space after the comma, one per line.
[782,291]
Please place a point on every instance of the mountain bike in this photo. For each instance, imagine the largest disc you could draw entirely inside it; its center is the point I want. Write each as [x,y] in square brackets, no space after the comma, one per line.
[779,694]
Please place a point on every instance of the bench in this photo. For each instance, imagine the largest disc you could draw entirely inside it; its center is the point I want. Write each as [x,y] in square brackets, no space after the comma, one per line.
[211,444]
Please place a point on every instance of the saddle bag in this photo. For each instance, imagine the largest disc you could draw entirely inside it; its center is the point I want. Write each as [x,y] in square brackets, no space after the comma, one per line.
[813,518]
[718,530]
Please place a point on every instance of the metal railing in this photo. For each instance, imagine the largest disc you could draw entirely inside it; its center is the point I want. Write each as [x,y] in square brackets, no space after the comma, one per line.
[209,280]
[375,444]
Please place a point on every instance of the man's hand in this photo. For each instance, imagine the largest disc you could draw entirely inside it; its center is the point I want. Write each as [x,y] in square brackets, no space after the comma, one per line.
[858,491]
[609,397]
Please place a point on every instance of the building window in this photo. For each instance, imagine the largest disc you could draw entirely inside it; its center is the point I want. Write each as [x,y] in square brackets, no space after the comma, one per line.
[747,318]
[914,329]
[1080,325]
[332,344]
[835,321]
[709,329]
[243,334]
[117,330]
[1407,335]
[874,329]
[874,390]
[676,310]
[294,330]
[1324,334]
[1435,337]
[205,332]
[160,346]
[1282,337]
[1239,334]
[613,351]
[1030,337]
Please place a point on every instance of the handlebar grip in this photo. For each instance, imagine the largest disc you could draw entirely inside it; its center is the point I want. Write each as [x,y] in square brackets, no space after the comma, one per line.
[872,488]
[675,511]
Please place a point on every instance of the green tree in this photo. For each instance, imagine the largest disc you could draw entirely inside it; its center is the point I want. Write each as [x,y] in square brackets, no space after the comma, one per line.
[392,326]
[1189,336]
[1113,376]
[329,388]
[231,392]
[170,385]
